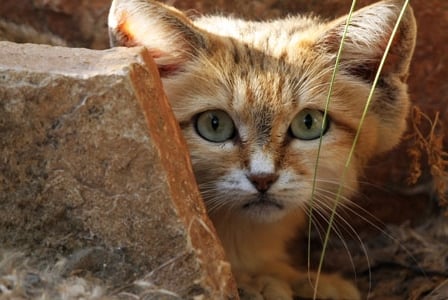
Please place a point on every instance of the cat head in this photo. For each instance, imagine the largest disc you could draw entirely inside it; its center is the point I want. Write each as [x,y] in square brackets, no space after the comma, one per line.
[250,99]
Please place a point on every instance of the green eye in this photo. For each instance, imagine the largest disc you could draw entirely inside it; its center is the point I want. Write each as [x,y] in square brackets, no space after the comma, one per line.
[215,126]
[307,124]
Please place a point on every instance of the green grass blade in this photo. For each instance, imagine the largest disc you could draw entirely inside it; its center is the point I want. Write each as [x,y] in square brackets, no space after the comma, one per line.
[327,105]
[352,150]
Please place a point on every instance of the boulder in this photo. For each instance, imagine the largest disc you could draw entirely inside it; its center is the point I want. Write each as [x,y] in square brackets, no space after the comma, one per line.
[93,168]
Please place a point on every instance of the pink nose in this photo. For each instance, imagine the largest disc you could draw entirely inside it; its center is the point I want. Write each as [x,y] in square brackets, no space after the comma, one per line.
[263,181]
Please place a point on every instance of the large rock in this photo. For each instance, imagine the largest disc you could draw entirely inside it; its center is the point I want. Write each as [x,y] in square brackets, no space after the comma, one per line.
[80,23]
[93,167]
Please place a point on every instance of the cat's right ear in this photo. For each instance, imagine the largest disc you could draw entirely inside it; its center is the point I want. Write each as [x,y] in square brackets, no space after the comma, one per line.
[367,38]
[365,43]
[167,33]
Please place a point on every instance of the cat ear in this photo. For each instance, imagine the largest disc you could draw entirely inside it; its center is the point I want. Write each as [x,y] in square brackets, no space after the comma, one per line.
[365,43]
[367,38]
[167,33]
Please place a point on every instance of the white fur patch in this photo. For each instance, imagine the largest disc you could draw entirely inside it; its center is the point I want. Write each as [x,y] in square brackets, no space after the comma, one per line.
[261,162]
[236,180]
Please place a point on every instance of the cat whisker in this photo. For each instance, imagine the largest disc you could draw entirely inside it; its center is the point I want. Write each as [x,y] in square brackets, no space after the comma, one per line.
[316,221]
[356,209]
[325,207]
[216,200]
[373,185]
[337,183]
[367,217]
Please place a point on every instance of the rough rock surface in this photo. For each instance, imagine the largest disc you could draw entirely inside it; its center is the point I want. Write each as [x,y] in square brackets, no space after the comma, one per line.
[93,167]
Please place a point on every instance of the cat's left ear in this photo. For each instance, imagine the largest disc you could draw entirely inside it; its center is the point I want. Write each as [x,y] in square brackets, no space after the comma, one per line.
[365,43]
[367,37]
[170,37]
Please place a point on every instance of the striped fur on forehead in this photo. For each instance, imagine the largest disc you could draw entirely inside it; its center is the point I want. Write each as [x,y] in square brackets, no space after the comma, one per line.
[261,93]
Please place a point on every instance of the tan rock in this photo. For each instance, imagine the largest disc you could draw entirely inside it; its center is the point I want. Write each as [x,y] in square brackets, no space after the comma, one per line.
[79,23]
[92,165]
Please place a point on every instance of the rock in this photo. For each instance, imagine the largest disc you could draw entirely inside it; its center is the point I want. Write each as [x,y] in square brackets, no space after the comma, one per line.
[93,168]
[80,23]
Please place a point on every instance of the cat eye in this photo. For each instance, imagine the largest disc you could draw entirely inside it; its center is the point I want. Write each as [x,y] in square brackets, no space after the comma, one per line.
[215,126]
[307,124]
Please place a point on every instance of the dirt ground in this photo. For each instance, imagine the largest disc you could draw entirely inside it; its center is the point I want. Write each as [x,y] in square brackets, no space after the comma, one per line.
[396,262]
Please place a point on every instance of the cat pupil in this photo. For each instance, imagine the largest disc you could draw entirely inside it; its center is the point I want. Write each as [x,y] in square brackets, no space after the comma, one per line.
[308,121]
[215,122]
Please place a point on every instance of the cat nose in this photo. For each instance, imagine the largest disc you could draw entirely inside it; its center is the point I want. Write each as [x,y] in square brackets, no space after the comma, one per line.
[263,181]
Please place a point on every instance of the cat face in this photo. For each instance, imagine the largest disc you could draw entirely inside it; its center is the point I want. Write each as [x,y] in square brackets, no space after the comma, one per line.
[253,132]
[250,98]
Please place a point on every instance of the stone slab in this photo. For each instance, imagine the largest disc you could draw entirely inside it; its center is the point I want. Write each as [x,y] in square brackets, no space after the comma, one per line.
[91,157]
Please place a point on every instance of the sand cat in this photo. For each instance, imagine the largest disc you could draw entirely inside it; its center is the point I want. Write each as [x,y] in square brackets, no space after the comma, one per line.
[250,100]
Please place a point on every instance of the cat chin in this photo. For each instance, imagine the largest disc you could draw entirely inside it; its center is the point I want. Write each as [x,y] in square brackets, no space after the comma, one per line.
[265,211]
[263,214]
[256,208]
[262,201]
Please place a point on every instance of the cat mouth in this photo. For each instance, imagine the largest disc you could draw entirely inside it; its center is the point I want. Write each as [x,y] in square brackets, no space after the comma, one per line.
[262,201]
